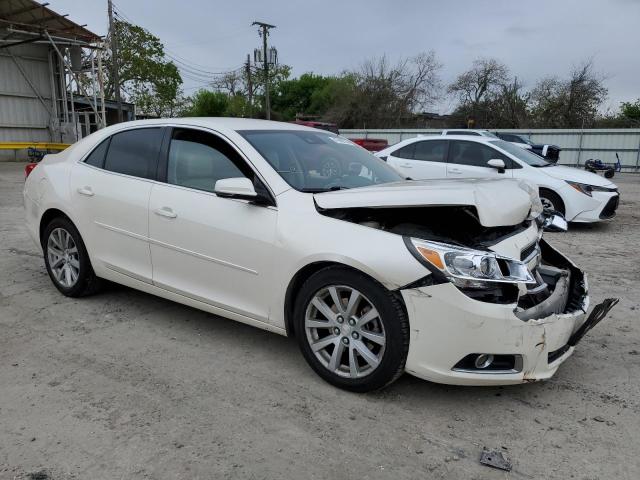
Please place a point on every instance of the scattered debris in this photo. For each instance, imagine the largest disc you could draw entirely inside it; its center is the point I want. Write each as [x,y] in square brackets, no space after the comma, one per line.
[495,459]
[40,475]
[634,352]
[598,418]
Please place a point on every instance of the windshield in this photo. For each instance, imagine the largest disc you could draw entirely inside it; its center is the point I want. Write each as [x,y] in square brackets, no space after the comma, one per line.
[318,161]
[489,134]
[521,154]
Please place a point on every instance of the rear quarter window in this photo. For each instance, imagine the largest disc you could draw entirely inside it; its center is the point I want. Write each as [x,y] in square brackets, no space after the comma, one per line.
[96,157]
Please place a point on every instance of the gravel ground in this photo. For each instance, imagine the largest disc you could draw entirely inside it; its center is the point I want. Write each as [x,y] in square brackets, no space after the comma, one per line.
[123,385]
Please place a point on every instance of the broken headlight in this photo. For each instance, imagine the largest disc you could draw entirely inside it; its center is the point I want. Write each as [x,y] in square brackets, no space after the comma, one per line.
[466,267]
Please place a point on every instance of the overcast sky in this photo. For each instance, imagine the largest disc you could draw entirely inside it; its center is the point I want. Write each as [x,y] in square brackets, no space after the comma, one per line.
[533,38]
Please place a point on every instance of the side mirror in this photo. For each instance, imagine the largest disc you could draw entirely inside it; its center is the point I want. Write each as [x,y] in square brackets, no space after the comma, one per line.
[554,222]
[238,187]
[498,164]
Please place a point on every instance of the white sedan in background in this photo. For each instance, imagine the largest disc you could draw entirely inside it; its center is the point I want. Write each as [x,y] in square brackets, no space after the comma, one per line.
[579,195]
[373,275]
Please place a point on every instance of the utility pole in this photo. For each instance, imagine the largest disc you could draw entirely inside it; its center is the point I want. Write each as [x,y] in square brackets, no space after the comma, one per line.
[247,66]
[265,61]
[114,60]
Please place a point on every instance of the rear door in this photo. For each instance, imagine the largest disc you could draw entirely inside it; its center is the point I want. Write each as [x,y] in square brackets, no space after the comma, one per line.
[212,249]
[420,160]
[468,159]
[110,192]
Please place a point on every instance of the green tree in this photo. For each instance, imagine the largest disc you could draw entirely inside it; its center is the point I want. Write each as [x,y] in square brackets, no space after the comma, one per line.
[147,78]
[206,103]
[631,110]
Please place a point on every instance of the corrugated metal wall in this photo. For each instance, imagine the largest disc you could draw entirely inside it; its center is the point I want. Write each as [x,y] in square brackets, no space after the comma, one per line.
[577,145]
[23,117]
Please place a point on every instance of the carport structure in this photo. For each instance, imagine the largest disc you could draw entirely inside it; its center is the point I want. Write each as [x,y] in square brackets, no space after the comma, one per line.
[42,56]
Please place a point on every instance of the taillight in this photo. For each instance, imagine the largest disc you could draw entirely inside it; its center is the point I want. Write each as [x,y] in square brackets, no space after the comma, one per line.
[28,169]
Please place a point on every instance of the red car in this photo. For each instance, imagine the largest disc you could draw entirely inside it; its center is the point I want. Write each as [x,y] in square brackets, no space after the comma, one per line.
[330,127]
[371,144]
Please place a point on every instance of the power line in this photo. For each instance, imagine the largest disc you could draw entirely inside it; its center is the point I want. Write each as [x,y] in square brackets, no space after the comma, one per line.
[188,68]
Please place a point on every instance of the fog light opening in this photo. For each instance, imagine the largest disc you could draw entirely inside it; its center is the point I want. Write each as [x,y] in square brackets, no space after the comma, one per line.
[484,360]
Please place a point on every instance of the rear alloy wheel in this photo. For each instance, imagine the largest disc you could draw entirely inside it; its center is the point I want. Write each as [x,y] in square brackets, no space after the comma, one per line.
[352,331]
[66,259]
[63,257]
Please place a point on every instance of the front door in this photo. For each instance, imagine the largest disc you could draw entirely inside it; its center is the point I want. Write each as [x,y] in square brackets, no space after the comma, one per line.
[212,249]
[468,159]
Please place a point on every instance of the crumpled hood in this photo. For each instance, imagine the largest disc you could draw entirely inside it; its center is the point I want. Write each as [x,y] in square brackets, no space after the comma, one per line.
[499,202]
[577,175]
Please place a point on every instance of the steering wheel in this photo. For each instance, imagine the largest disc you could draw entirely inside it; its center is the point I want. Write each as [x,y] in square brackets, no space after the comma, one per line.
[330,168]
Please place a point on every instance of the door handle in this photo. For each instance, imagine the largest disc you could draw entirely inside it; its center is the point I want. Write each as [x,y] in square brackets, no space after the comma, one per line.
[87,191]
[406,165]
[165,212]
[455,171]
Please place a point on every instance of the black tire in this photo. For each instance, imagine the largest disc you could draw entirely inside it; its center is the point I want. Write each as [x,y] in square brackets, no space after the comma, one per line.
[392,316]
[87,283]
[609,173]
[550,197]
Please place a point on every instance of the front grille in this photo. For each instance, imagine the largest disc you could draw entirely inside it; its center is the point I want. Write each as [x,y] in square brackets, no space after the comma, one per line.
[609,210]
[528,251]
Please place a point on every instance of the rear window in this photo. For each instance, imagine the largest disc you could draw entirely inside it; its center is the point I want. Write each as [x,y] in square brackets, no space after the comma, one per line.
[135,152]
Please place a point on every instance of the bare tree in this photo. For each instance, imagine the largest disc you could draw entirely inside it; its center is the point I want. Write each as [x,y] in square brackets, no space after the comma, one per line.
[388,95]
[570,103]
[485,76]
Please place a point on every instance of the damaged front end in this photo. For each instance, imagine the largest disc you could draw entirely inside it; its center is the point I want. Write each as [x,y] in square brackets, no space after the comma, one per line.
[497,304]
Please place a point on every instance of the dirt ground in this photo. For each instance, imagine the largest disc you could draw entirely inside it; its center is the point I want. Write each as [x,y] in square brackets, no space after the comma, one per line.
[123,385]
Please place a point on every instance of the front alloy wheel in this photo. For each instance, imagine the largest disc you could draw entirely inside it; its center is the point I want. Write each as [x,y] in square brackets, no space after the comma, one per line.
[344,331]
[352,331]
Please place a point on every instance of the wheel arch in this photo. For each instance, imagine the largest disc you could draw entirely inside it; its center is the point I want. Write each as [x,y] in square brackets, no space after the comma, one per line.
[298,280]
[47,217]
[542,189]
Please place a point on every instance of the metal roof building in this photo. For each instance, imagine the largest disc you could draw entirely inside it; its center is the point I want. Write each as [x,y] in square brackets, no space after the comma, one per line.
[42,53]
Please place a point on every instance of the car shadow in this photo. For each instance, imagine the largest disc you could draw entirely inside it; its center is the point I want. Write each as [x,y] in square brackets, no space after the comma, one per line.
[281,352]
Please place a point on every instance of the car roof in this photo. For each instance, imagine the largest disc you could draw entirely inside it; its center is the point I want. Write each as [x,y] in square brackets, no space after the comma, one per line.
[476,130]
[227,123]
[408,141]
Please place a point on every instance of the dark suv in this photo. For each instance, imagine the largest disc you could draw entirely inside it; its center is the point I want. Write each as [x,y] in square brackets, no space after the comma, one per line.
[550,152]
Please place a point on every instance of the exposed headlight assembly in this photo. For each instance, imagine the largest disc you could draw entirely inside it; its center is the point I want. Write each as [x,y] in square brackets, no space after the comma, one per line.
[468,268]
[588,189]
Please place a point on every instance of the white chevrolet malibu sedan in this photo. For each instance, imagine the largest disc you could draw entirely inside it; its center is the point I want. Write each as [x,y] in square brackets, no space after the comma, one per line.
[303,233]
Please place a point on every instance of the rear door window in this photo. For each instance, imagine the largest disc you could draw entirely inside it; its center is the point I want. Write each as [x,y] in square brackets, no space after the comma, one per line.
[405,152]
[431,151]
[135,152]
